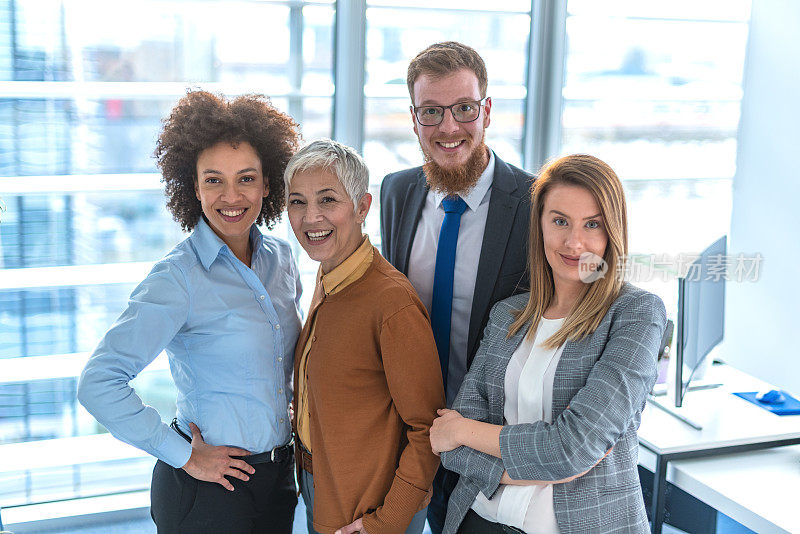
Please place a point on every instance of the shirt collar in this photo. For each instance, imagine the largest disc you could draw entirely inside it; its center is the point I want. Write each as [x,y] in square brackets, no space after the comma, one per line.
[475,195]
[208,244]
[342,272]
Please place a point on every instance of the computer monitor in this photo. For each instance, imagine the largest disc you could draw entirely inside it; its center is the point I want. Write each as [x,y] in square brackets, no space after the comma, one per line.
[701,313]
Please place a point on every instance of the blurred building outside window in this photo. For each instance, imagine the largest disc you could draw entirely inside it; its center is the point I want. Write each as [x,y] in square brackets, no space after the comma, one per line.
[654,89]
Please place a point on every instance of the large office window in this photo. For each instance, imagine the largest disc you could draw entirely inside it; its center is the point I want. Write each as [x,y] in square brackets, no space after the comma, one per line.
[654,89]
[83,88]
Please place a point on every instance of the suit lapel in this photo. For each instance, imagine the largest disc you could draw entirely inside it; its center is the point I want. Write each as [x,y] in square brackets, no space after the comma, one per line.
[502,209]
[409,218]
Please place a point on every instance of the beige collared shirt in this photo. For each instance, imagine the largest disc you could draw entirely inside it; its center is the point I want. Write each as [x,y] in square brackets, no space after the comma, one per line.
[339,278]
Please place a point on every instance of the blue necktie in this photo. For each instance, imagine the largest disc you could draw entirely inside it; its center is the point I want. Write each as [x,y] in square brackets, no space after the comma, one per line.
[442,303]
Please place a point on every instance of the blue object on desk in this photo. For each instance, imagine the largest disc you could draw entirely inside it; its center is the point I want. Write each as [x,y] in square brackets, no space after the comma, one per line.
[790,406]
[773,396]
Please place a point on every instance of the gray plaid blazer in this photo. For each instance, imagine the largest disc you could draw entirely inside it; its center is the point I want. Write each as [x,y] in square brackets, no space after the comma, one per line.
[599,391]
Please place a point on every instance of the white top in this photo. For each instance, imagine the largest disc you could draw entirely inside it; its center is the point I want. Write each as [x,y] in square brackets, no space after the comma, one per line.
[528,398]
[422,264]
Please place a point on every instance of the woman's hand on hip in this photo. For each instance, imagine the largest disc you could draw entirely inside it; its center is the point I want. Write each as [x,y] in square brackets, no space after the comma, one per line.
[445,430]
[354,527]
[212,464]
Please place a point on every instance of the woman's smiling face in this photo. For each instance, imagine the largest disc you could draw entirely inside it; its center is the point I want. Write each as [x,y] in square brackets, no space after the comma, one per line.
[231,188]
[572,224]
[323,217]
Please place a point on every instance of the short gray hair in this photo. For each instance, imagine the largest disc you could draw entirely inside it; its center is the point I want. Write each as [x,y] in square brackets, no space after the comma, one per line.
[343,161]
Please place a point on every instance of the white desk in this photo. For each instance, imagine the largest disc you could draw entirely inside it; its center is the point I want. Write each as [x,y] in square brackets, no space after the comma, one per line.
[733,427]
[738,485]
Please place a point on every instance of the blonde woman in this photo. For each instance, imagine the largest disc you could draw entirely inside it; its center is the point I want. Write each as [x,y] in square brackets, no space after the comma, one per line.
[543,430]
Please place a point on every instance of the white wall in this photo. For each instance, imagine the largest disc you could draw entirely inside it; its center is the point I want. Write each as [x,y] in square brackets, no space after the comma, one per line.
[763,318]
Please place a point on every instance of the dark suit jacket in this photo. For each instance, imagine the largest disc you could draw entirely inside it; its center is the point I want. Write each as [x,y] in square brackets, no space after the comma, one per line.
[502,267]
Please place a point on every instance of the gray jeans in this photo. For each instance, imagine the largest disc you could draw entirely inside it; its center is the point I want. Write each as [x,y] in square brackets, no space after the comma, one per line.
[307,490]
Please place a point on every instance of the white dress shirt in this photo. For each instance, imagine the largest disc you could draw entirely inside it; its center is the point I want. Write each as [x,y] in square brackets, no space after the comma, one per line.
[528,398]
[422,264]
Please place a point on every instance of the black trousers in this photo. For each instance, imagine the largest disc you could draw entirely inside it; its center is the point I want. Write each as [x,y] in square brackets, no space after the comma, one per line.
[443,485]
[181,504]
[475,524]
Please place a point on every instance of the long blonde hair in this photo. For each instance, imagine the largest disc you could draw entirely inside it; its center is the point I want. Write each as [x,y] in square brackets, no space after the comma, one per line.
[602,182]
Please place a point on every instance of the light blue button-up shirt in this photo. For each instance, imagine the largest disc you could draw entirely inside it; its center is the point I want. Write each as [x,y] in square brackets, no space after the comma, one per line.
[229,332]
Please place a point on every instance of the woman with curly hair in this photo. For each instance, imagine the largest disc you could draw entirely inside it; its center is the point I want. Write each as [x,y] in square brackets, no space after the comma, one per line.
[223,304]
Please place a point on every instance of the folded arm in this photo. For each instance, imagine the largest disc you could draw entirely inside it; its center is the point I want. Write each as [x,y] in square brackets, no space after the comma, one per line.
[602,410]
[451,430]
[598,415]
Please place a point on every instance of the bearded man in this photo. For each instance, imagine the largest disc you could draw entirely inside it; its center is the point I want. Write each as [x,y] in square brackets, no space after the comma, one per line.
[458,225]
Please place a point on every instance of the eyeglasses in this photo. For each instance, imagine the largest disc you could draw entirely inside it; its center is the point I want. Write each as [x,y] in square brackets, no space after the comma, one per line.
[466,111]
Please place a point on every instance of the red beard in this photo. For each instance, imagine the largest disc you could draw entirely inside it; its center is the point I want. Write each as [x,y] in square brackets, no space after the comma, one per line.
[460,179]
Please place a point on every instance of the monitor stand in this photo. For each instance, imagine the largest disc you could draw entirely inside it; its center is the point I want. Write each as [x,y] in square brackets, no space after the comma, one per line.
[661,400]
[660,390]
[673,412]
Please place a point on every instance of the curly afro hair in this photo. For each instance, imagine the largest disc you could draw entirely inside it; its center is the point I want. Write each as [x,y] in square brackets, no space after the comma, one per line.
[201,120]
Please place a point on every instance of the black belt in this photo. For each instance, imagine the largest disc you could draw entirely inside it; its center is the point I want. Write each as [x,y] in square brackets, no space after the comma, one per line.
[276,455]
[475,520]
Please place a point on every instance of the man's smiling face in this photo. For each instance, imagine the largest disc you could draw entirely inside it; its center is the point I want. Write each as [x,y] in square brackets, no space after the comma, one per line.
[450,144]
